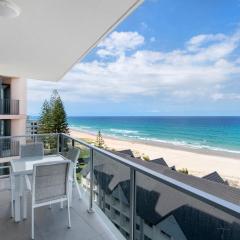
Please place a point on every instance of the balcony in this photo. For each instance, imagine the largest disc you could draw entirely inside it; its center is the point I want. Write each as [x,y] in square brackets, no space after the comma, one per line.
[9,107]
[51,223]
[131,199]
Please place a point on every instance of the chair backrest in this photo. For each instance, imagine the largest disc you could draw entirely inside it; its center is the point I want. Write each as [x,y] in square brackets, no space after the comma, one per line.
[73,154]
[50,181]
[32,150]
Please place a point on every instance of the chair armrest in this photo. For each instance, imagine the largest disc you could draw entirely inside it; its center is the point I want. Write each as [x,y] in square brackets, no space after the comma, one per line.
[28,182]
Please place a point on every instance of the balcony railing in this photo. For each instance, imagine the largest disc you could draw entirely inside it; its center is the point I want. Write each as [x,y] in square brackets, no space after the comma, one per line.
[9,107]
[143,203]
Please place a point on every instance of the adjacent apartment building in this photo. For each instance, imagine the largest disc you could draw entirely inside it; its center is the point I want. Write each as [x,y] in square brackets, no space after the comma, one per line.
[12,112]
[31,126]
[12,106]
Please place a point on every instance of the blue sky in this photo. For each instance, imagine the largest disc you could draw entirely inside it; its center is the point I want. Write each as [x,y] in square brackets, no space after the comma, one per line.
[169,57]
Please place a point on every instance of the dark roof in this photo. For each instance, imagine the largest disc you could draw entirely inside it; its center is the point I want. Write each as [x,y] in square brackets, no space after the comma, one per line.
[173,168]
[127,152]
[226,192]
[215,177]
[155,200]
[160,161]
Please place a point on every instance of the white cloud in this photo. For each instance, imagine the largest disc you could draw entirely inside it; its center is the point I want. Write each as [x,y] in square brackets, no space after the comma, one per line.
[225,96]
[206,63]
[217,96]
[119,42]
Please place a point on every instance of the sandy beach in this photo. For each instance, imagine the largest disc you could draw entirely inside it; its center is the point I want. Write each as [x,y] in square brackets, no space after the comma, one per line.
[199,162]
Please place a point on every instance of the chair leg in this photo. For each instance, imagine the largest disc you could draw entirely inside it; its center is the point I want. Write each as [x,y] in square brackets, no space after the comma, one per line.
[70,192]
[32,223]
[12,195]
[76,183]
[24,203]
[12,208]
[17,207]
[78,189]
[69,217]
[61,205]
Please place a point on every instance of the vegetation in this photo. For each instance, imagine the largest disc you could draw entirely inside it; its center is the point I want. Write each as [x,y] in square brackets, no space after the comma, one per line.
[53,118]
[183,170]
[99,140]
[45,118]
[146,158]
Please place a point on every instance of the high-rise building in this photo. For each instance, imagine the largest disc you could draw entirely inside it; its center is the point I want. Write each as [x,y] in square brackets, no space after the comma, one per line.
[12,106]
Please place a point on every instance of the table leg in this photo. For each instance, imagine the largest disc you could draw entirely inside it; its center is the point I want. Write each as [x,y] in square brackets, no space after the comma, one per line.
[18,194]
[17,204]
[24,203]
[16,198]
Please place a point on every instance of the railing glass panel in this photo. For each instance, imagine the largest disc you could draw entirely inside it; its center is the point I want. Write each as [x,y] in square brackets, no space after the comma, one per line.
[83,161]
[163,212]
[112,190]
[149,204]
[10,146]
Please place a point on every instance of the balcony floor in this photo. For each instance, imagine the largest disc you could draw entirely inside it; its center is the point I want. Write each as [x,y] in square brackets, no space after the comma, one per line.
[51,224]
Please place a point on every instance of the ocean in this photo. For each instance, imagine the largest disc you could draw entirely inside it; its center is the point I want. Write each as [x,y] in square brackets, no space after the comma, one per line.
[215,133]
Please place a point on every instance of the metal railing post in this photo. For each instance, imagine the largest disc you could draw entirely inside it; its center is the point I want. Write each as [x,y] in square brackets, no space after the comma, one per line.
[132,203]
[90,209]
[62,143]
[58,139]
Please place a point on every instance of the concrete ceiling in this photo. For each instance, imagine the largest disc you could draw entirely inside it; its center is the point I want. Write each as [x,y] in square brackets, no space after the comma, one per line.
[50,36]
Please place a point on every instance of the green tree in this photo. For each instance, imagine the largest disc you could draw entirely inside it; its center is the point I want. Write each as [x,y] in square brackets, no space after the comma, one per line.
[99,140]
[53,118]
[45,124]
[146,157]
[183,170]
[59,117]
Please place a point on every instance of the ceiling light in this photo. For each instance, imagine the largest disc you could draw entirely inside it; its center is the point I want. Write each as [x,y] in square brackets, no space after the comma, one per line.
[8,9]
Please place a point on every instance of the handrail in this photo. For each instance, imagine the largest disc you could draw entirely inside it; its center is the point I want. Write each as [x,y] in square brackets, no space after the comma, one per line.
[30,135]
[192,191]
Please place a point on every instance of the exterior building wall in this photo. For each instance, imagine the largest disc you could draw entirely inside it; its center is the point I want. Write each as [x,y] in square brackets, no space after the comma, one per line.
[18,93]
[32,127]
[119,213]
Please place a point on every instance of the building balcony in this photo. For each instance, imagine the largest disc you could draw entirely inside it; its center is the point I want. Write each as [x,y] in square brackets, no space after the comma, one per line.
[51,223]
[161,203]
[9,107]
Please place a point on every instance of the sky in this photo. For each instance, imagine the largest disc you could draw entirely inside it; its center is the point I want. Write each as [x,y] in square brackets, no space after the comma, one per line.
[168,58]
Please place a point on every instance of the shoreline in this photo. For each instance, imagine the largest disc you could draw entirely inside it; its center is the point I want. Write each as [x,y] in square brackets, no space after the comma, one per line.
[199,162]
[204,151]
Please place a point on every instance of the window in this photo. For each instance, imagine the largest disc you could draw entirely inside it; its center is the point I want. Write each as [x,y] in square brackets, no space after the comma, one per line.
[147,238]
[107,206]
[137,227]
[116,212]
[166,234]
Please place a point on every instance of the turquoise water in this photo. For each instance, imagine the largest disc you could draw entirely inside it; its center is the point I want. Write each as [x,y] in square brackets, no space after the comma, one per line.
[217,133]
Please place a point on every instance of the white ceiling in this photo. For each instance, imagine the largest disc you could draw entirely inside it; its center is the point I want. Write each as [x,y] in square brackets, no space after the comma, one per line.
[50,36]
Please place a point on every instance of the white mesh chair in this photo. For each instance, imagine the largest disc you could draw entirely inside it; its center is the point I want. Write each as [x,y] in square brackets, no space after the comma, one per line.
[73,155]
[35,150]
[50,184]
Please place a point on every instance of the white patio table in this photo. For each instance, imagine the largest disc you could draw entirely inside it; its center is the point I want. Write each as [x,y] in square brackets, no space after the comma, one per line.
[21,168]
